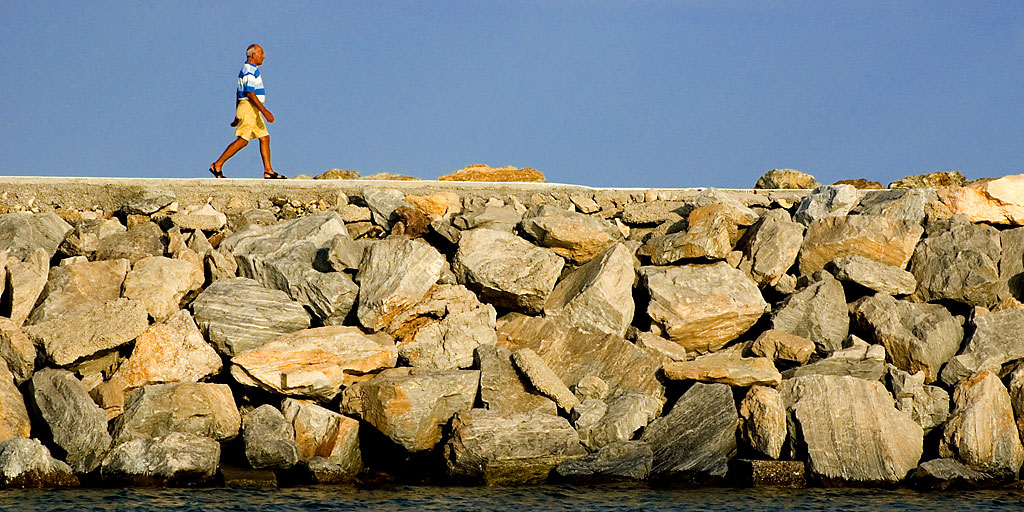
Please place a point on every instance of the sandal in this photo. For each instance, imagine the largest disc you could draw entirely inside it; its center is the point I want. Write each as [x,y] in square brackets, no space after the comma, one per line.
[273,176]
[216,173]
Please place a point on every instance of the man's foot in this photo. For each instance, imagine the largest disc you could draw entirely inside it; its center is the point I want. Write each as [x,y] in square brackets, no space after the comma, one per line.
[216,172]
[271,175]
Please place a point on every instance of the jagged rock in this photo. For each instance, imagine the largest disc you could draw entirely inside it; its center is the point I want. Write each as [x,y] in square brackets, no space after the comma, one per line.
[935,180]
[269,439]
[877,238]
[768,473]
[313,363]
[337,174]
[668,350]
[21,234]
[574,355]
[996,340]
[786,178]
[770,247]
[591,386]
[177,459]
[506,270]
[917,337]
[17,350]
[148,203]
[346,253]
[73,283]
[710,235]
[84,238]
[727,367]
[411,405]
[481,172]
[817,312]
[597,296]
[1016,389]
[394,275]
[623,417]
[949,474]
[860,360]
[172,351]
[250,217]
[958,260]
[696,439]
[14,419]
[981,431]
[78,425]
[25,281]
[491,448]
[781,346]
[826,201]
[205,218]
[382,204]
[326,434]
[927,405]
[27,463]
[440,205]
[654,212]
[621,460]
[861,184]
[906,204]
[267,314]
[85,328]
[351,213]
[543,379]
[499,218]
[587,414]
[574,236]
[410,222]
[443,329]
[1011,264]
[763,420]
[840,419]
[702,307]
[585,204]
[878,277]
[197,408]
[999,201]
[139,241]
[159,284]
[502,389]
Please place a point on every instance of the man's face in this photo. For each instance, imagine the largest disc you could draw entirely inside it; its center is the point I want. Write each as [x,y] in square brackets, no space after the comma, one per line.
[257,56]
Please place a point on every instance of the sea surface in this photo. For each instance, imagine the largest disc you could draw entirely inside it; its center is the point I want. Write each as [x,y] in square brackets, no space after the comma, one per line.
[540,498]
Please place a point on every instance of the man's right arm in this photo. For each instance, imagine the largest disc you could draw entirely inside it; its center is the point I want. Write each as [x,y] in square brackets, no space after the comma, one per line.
[251,96]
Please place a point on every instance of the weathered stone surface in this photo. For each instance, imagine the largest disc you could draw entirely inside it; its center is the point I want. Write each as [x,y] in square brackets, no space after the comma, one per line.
[727,367]
[443,329]
[935,180]
[981,431]
[584,203]
[351,213]
[786,178]
[851,429]
[197,408]
[313,363]
[999,201]
[502,389]
[781,346]
[77,282]
[710,235]
[653,212]
[768,473]
[148,203]
[500,218]
[78,425]
[907,204]
[574,236]
[84,239]
[382,204]
[817,312]
[598,296]
[958,260]
[861,184]
[17,350]
[494,449]
[177,459]
[267,314]
[621,460]
[394,275]
[702,307]
[860,360]
[1011,264]
[543,379]
[695,440]
[917,337]
[411,405]
[506,270]
[763,420]
[877,238]
[159,284]
[205,218]
[770,247]
[482,172]
[139,241]
[269,439]
[949,474]
[346,253]
[14,420]
[172,351]
[22,233]
[337,174]
[323,433]
[826,201]
[25,281]
[438,205]
[668,350]
[1016,389]
[623,417]
[84,329]
[996,340]
[927,405]
[27,463]
[591,386]
[879,277]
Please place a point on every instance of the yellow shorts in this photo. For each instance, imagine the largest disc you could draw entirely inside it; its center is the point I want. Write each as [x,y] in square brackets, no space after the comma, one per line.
[250,122]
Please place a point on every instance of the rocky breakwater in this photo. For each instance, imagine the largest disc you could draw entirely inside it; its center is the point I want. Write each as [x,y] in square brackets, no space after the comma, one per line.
[828,336]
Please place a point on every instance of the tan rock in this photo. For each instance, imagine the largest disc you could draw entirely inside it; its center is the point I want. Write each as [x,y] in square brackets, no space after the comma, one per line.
[597,296]
[443,329]
[786,178]
[726,367]
[1000,201]
[543,379]
[25,281]
[935,180]
[669,349]
[196,408]
[710,235]
[17,350]
[87,328]
[14,420]
[159,283]
[172,351]
[320,432]
[781,346]
[205,218]
[877,238]
[981,431]
[441,205]
[394,275]
[763,420]
[481,172]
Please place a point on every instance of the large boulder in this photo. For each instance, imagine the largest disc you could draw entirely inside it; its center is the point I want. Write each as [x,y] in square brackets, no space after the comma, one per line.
[312,363]
[999,201]
[269,439]
[22,233]
[506,270]
[763,420]
[702,307]
[877,238]
[172,351]
[623,417]
[859,360]
[77,424]
[25,282]
[14,420]
[996,340]
[77,282]
[85,328]
[231,329]
[502,388]
[907,204]
[875,276]
[177,459]
[826,201]
[320,432]
[981,431]
[710,234]
[394,274]
[817,312]
[411,405]
[786,178]
[782,346]
[770,247]
[17,350]
[197,408]
[27,463]
[958,261]
[160,284]
[852,431]
[621,460]
[574,236]
[84,239]
[495,449]
[597,296]
[139,241]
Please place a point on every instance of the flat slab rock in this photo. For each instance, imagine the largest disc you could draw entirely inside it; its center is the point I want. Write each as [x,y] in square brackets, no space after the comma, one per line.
[87,328]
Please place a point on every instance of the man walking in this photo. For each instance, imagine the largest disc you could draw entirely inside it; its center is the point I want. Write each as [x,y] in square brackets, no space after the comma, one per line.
[248,107]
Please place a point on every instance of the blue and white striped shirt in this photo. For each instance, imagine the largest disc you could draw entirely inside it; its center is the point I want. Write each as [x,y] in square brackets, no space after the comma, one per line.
[250,80]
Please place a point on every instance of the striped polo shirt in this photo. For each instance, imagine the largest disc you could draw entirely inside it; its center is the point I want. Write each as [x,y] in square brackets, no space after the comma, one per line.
[250,80]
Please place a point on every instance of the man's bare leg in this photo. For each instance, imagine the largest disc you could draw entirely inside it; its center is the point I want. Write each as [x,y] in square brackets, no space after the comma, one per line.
[235,146]
[265,154]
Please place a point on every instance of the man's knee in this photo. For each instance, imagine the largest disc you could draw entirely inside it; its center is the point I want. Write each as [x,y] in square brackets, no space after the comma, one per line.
[265,139]
[242,142]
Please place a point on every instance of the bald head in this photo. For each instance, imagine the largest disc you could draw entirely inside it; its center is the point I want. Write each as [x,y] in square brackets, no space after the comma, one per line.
[254,54]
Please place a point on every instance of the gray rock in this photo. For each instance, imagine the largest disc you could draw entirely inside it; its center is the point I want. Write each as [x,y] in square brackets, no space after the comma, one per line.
[346,253]
[543,379]
[623,417]
[763,420]
[148,203]
[786,178]
[252,216]
[382,204]
[17,350]
[139,241]
[839,419]
[22,233]
[27,463]
[597,296]
[995,341]
[205,218]
[78,425]
[84,239]
[1011,264]
[506,270]
[85,328]
[981,431]
[770,247]
[861,361]
[949,474]
[269,439]
[499,218]
[411,405]
[160,283]
[324,434]
[14,420]
[502,389]
[897,204]
[958,261]
[490,448]
[696,439]
[267,314]
[198,408]
[574,236]
[443,329]
[702,307]
[879,277]
[877,238]
[177,459]
[817,312]
[826,201]
[927,405]
[25,281]
[394,274]
[621,460]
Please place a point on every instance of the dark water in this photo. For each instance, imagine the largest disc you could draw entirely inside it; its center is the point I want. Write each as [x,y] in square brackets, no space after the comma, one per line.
[420,498]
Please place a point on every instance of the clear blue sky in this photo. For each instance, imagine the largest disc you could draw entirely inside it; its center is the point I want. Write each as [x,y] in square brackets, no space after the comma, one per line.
[593,92]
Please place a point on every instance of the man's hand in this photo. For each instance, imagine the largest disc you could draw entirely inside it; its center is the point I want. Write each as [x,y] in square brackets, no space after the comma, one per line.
[268,116]
[234,122]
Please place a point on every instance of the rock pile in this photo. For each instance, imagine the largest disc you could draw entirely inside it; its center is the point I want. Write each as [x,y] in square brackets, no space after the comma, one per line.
[725,338]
